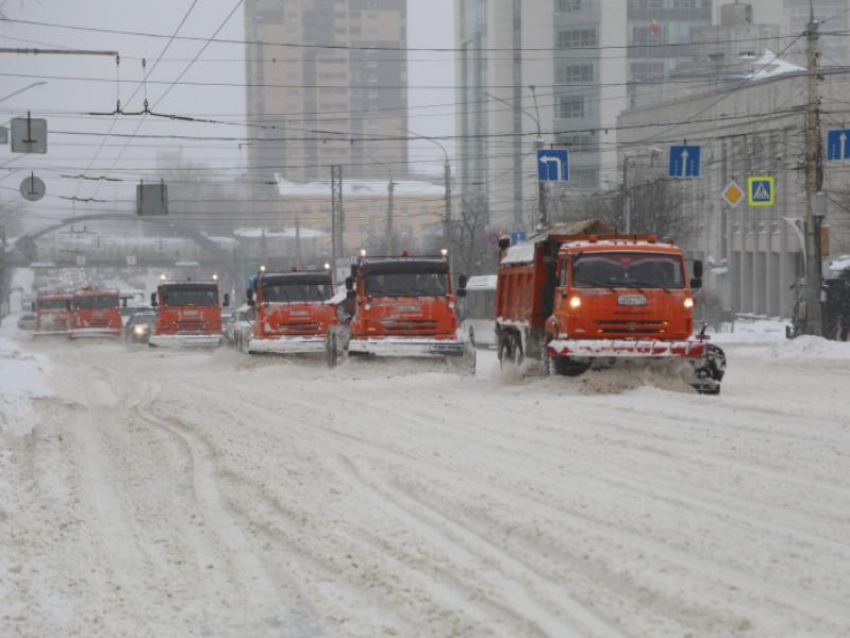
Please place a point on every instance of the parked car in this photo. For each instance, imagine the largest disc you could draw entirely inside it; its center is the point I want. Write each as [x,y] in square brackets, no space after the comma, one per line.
[138,327]
[238,327]
[26,321]
[476,311]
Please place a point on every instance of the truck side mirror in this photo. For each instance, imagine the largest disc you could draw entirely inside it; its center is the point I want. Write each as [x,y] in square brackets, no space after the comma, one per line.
[33,306]
[504,242]
[226,300]
[698,269]
[249,296]
[461,286]
[696,283]
[153,300]
[349,284]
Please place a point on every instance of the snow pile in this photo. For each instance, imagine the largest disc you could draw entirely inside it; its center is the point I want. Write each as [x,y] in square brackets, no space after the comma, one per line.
[23,376]
[756,331]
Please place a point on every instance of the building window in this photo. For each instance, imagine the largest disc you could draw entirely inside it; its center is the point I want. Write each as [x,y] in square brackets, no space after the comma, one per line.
[578,143]
[574,74]
[566,6]
[577,38]
[684,4]
[646,71]
[570,107]
[646,4]
[642,36]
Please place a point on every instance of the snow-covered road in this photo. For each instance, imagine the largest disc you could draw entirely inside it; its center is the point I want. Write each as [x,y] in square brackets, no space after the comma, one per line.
[212,494]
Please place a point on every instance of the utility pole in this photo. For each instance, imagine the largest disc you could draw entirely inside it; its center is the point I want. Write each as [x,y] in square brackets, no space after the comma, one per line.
[447,213]
[298,240]
[390,215]
[337,216]
[814,320]
[627,207]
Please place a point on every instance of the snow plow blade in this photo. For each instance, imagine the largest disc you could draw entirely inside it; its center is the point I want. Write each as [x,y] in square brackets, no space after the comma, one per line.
[185,341]
[93,333]
[287,345]
[627,348]
[407,347]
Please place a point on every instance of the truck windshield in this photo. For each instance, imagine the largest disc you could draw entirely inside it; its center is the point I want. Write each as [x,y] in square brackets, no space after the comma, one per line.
[407,284]
[296,293]
[53,304]
[190,297]
[628,270]
[94,302]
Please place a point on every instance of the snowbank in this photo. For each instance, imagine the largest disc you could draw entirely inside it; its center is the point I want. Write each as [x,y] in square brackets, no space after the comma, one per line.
[23,376]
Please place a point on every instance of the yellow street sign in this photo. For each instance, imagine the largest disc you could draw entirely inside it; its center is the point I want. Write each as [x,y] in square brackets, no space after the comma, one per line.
[761,191]
[733,194]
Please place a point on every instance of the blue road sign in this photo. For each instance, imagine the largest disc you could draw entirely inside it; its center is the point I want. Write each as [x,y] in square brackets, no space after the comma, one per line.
[517,237]
[761,191]
[838,144]
[553,165]
[685,161]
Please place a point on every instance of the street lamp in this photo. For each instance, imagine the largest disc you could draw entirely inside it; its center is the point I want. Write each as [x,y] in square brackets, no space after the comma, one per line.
[627,209]
[447,188]
[538,144]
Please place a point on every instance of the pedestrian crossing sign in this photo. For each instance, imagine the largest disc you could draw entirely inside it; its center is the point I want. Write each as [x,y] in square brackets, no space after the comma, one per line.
[761,191]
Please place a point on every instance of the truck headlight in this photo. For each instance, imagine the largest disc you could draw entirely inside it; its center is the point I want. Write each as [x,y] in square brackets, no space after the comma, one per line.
[575,302]
[689,303]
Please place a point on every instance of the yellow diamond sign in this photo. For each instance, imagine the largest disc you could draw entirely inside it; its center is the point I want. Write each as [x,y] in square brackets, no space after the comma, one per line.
[733,194]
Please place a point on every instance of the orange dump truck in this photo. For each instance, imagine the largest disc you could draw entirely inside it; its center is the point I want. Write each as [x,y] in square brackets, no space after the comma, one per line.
[95,313]
[580,295]
[188,314]
[293,312]
[403,307]
[52,313]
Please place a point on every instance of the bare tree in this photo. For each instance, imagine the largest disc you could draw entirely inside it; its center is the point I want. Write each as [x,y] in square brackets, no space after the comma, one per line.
[656,208]
[469,237]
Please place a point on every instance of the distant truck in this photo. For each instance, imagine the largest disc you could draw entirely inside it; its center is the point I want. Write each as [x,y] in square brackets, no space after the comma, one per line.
[400,307]
[188,314]
[580,295]
[52,313]
[95,313]
[293,312]
[476,311]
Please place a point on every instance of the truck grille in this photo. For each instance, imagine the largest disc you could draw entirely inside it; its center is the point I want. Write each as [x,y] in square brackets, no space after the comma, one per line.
[296,329]
[637,327]
[184,325]
[410,326]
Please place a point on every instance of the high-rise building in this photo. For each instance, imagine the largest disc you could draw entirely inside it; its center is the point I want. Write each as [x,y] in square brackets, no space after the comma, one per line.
[582,57]
[327,84]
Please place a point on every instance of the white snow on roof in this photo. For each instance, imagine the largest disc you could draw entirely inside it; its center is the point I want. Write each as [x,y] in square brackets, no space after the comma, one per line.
[482,282]
[358,188]
[256,233]
[519,254]
[768,66]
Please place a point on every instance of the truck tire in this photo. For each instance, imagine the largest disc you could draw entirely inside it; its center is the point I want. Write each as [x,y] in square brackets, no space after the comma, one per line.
[510,350]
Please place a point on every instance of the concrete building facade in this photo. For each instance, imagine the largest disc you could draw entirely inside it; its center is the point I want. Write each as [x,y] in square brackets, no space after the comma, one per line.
[327,80]
[583,58]
[751,123]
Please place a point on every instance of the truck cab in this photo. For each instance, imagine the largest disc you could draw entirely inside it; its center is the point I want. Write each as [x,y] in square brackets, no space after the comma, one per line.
[95,313]
[52,313]
[403,306]
[188,314]
[293,312]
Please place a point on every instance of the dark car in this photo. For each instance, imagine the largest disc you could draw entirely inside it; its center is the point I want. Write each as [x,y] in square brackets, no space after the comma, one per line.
[138,327]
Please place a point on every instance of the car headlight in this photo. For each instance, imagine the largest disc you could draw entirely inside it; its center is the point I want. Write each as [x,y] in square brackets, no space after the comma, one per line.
[140,330]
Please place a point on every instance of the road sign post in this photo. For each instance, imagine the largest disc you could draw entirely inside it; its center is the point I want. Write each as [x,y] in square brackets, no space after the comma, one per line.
[761,191]
[685,161]
[29,135]
[838,144]
[553,165]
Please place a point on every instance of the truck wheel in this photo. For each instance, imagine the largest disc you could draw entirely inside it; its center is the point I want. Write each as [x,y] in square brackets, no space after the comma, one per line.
[510,351]
[570,368]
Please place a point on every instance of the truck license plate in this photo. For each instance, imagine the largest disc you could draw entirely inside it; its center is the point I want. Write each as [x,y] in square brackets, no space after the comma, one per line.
[631,300]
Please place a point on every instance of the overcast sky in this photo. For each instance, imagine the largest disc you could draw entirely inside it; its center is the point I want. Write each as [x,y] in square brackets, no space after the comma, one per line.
[64,101]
